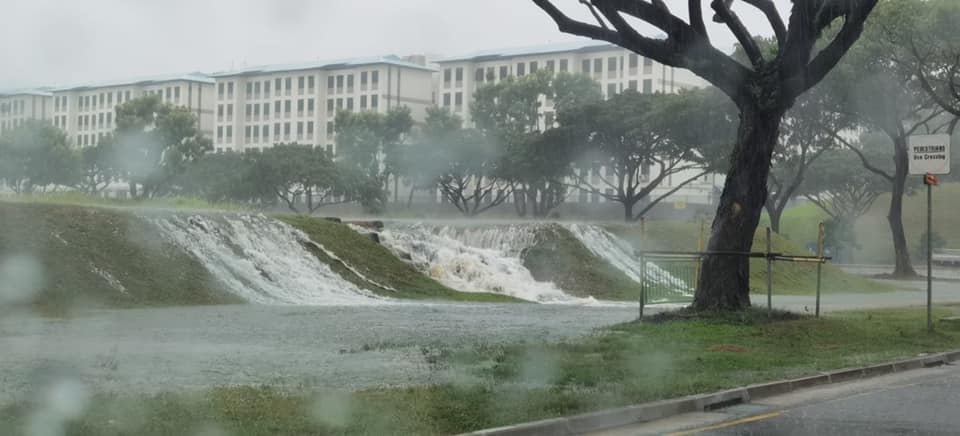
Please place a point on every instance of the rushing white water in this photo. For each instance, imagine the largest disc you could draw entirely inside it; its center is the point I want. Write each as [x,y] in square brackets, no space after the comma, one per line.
[620,254]
[476,259]
[261,260]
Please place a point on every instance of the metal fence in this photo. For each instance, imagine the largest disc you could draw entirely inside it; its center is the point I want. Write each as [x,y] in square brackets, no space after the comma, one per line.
[672,276]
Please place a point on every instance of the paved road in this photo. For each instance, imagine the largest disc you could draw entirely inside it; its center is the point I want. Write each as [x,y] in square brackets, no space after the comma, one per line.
[920,402]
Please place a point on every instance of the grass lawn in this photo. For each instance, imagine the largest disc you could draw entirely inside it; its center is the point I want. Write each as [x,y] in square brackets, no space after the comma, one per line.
[788,278]
[510,383]
[82,199]
[377,263]
[70,257]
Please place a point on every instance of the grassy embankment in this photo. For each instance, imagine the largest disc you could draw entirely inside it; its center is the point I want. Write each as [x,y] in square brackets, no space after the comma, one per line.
[72,257]
[559,257]
[788,278]
[625,364]
[377,263]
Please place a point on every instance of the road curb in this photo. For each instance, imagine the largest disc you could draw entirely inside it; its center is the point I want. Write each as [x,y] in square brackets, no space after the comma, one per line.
[623,416]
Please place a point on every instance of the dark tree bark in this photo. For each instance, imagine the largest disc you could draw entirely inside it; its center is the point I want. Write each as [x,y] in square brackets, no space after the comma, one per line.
[762,91]
[903,265]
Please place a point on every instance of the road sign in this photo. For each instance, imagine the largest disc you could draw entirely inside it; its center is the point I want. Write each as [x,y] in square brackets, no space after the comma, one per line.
[930,180]
[929,154]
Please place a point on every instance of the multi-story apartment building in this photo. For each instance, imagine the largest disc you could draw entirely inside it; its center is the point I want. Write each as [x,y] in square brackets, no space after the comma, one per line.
[16,107]
[86,112]
[614,68]
[258,107]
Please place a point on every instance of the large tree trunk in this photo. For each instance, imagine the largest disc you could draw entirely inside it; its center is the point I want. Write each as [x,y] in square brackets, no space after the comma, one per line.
[628,210]
[725,280]
[903,265]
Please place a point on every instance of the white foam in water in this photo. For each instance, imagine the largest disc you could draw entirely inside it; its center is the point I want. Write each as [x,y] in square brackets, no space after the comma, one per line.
[619,253]
[261,260]
[476,259]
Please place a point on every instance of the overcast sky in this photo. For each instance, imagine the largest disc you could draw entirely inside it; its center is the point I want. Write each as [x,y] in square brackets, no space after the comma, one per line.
[63,42]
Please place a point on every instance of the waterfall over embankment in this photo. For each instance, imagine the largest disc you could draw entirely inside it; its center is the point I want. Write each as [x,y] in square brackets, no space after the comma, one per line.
[483,258]
[260,259]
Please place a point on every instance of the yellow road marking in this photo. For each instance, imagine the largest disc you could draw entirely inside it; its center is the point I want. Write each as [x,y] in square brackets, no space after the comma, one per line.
[728,424]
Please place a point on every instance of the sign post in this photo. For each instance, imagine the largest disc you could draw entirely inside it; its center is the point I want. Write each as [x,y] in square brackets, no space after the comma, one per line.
[929,156]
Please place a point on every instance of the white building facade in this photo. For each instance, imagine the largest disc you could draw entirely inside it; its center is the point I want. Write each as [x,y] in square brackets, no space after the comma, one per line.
[16,107]
[258,107]
[87,112]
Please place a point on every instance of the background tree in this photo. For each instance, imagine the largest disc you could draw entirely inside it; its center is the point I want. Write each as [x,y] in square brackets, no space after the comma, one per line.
[884,95]
[303,177]
[370,141]
[808,130]
[97,167]
[153,144]
[763,91]
[34,156]
[224,177]
[632,134]
[935,51]
[535,163]
[416,163]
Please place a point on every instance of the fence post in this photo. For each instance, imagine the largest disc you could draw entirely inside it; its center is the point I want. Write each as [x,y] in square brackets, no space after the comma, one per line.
[643,283]
[769,274]
[699,259]
[819,266]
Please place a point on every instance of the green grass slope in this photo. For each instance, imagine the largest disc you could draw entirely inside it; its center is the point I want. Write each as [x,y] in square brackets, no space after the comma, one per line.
[66,256]
[377,263]
[559,257]
[788,278]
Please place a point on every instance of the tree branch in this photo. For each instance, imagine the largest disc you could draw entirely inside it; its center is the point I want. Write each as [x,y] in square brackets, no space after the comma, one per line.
[855,14]
[696,17]
[667,194]
[736,26]
[770,10]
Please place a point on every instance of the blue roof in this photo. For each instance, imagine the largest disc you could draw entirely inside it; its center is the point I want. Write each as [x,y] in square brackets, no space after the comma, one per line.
[486,55]
[40,92]
[142,81]
[323,65]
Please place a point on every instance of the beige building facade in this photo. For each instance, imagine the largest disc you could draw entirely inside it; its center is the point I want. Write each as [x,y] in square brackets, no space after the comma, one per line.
[258,107]
[16,107]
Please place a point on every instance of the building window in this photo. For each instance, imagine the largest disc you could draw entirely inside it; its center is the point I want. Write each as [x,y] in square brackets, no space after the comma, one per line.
[611,90]
[266,133]
[478,75]
[585,66]
[329,129]
[266,110]
[330,84]
[460,76]
[374,79]
[339,103]
[256,111]
[249,90]
[266,89]
[310,107]
[350,104]
[219,112]
[329,106]
[286,131]
[647,86]
[277,105]
[611,64]
[374,101]
[310,130]
[229,93]
[363,80]
[521,69]
[229,133]
[220,90]
[289,85]
[339,84]
[256,133]
[363,102]
[287,106]
[446,99]
[276,131]
[551,65]
[311,83]
[534,67]
[300,130]
[350,83]
[256,90]
[301,84]
[633,59]
[597,65]
[458,100]
[491,75]
[632,85]
[230,111]
[504,72]
[300,106]
[447,77]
